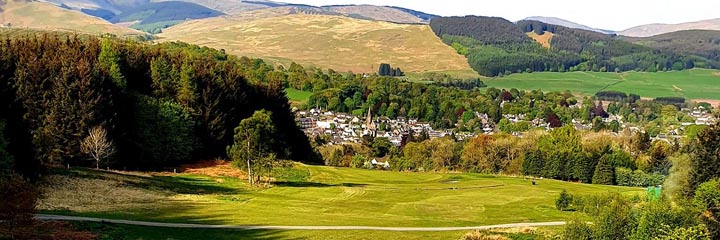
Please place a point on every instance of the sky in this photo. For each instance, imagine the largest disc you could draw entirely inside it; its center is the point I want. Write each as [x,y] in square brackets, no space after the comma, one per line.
[604,14]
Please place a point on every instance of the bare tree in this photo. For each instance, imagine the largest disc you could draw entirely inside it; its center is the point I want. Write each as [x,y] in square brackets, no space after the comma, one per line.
[97,145]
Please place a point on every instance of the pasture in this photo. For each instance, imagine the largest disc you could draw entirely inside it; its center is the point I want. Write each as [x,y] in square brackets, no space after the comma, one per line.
[297,96]
[313,195]
[690,84]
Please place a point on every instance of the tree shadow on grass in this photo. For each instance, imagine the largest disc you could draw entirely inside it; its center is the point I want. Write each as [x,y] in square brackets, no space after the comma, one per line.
[120,231]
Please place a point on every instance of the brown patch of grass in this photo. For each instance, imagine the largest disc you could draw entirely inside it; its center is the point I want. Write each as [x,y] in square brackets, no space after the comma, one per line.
[214,168]
[482,235]
[524,230]
[543,39]
[94,195]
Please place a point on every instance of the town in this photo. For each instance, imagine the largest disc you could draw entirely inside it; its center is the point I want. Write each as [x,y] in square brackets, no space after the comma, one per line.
[343,128]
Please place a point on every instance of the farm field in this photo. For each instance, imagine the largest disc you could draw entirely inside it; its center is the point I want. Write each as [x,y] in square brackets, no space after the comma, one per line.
[314,196]
[690,84]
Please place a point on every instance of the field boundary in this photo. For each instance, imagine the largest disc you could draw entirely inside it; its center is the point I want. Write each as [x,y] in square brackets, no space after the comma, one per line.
[263,227]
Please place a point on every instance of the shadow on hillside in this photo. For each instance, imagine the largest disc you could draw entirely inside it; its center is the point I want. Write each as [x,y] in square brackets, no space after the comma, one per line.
[317,184]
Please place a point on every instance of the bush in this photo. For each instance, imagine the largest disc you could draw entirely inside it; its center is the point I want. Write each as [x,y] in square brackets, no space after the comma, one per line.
[707,199]
[17,207]
[637,178]
[577,229]
[563,202]
[480,235]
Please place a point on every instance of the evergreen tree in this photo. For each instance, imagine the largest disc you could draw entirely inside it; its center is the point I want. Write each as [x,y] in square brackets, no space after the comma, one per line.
[604,172]
[706,157]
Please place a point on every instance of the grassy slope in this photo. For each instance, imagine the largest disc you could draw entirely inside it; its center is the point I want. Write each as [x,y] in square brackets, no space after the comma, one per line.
[544,39]
[691,84]
[297,95]
[46,16]
[335,42]
[331,196]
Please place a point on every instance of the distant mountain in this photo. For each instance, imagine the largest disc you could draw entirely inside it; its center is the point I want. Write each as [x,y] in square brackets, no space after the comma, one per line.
[566,23]
[657,29]
[152,17]
[47,16]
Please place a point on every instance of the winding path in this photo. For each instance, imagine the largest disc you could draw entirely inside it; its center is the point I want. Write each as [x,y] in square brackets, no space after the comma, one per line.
[250,227]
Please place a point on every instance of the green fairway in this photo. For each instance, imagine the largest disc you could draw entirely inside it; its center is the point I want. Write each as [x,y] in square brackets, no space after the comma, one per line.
[297,95]
[329,196]
[691,84]
[113,231]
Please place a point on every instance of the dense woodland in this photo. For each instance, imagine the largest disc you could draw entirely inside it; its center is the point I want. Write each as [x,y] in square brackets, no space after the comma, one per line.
[161,105]
[495,47]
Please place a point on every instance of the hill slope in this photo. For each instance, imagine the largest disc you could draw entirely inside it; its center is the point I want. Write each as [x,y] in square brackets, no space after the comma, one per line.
[657,29]
[566,23]
[340,43]
[705,43]
[46,16]
[152,17]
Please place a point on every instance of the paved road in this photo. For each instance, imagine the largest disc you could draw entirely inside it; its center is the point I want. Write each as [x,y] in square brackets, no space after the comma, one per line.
[249,227]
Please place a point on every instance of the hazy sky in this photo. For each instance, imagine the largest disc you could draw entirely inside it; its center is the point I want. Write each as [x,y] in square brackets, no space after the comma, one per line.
[606,14]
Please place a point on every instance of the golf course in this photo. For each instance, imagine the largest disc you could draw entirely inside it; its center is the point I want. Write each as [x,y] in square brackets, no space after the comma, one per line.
[307,196]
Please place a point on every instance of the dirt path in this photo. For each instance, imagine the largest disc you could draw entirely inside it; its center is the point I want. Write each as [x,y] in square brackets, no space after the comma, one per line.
[249,227]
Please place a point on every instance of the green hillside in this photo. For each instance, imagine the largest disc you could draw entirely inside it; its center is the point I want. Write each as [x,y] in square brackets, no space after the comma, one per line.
[691,84]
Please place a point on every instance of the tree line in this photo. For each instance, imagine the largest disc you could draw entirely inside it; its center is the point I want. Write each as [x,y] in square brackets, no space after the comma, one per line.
[160,105]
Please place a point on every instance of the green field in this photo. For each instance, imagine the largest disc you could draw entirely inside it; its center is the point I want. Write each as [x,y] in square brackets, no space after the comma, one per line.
[297,95]
[691,84]
[314,196]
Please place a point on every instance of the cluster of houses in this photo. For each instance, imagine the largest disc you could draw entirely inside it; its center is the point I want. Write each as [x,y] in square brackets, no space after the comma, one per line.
[701,115]
[343,128]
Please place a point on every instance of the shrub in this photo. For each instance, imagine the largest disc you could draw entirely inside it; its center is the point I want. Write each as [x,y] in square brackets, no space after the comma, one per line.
[707,199]
[690,233]
[637,178]
[563,202]
[576,229]
[480,235]
[18,205]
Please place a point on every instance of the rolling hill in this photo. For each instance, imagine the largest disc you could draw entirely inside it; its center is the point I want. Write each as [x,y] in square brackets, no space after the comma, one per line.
[153,17]
[566,23]
[657,29]
[46,16]
[337,42]
[705,43]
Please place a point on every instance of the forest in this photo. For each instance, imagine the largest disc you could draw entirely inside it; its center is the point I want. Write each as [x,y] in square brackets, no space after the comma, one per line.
[160,105]
[496,47]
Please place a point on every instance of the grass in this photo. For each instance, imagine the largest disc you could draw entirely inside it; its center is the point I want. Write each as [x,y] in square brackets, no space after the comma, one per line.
[543,39]
[297,96]
[690,84]
[325,196]
[340,43]
[126,232]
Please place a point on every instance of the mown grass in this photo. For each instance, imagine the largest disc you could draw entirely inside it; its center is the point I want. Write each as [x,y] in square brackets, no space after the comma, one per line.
[690,84]
[327,196]
[128,232]
[297,96]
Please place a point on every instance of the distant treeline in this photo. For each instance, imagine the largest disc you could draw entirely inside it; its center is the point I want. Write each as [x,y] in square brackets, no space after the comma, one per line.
[161,105]
[495,47]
